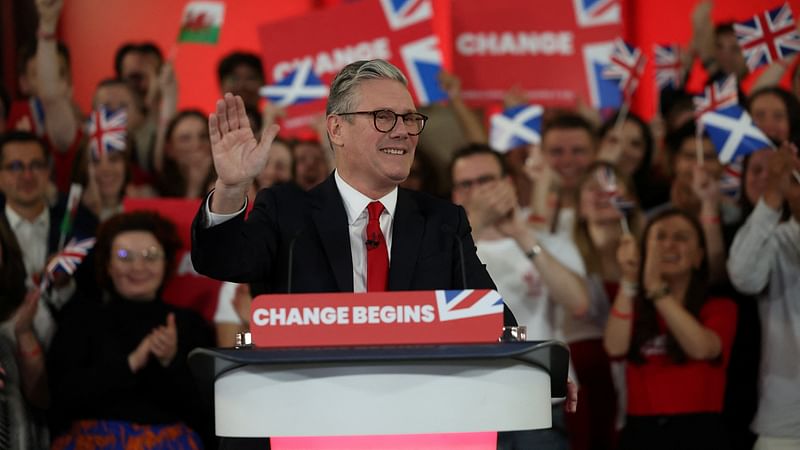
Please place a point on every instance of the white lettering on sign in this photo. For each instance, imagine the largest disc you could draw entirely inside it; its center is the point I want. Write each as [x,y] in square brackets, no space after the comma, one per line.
[328,315]
[533,43]
[332,61]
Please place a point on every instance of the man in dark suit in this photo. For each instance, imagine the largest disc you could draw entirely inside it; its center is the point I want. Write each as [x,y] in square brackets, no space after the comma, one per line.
[25,165]
[373,128]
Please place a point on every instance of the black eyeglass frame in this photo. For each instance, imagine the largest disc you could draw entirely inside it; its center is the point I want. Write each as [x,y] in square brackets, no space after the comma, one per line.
[378,111]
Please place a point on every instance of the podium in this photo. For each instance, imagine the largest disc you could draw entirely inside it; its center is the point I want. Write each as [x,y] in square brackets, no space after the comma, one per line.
[408,389]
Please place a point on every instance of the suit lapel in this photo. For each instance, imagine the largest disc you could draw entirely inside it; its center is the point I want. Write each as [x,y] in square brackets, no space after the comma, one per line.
[407,231]
[330,220]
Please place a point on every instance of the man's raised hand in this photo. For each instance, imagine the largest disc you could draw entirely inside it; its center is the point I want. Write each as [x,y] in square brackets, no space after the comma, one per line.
[238,157]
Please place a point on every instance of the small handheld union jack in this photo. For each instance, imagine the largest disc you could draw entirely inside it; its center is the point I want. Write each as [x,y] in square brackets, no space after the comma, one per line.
[607,179]
[626,64]
[669,70]
[107,130]
[768,37]
[67,260]
[717,96]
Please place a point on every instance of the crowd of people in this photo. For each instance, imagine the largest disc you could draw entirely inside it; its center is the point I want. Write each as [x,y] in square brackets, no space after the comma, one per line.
[618,237]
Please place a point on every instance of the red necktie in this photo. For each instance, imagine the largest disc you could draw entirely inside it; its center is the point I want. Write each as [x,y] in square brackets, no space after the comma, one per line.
[377,254]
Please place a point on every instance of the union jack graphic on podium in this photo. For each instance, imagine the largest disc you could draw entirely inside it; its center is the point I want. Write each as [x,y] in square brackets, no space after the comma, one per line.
[669,71]
[717,96]
[404,13]
[453,305]
[768,37]
[107,130]
[300,86]
[516,127]
[625,65]
[68,260]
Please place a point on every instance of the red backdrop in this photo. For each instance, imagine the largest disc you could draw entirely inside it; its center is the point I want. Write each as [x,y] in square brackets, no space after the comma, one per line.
[93,29]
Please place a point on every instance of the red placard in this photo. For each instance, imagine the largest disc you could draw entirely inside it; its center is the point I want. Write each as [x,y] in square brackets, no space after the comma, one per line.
[383,318]
[398,31]
[545,47]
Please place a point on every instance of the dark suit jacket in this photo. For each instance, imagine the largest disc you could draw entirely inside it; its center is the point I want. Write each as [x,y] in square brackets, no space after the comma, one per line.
[425,253]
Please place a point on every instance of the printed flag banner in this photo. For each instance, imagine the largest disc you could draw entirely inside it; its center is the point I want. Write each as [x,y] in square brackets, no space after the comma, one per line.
[555,58]
[516,127]
[379,318]
[107,130]
[202,22]
[733,133]
[398,31]
[768,37]
[300,86]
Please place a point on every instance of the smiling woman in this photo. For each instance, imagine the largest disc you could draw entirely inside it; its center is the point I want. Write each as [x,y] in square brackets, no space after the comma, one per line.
[676,339]
[118,366]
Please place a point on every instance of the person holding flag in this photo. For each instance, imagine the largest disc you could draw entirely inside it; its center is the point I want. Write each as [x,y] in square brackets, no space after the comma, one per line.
[764,262]
[24,167]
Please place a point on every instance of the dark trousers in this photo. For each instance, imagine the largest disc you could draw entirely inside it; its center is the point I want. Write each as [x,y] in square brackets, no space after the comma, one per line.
[702,431]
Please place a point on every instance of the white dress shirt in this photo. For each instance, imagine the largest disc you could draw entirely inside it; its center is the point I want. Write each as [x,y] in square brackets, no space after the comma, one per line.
[355,205]
[32,238]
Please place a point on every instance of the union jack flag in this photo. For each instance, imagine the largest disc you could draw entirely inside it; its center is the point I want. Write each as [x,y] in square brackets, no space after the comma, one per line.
[37,114]
[403,13]
[423,61]
[70,258]
[625,65]
[717,96]
[597,12]
[300,86]
[516,127]
[669,70]
[107,131]
[467,303]
[733,133]
[768,37]
[731,182]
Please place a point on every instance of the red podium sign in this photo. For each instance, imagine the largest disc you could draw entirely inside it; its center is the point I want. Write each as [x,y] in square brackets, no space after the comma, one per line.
[384,318]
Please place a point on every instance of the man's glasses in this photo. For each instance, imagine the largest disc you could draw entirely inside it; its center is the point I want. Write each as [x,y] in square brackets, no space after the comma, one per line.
[469,184]
[386,119]
[148,255]
[17,167]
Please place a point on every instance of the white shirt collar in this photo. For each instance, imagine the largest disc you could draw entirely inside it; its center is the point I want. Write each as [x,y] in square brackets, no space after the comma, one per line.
[355,202]
[15,220]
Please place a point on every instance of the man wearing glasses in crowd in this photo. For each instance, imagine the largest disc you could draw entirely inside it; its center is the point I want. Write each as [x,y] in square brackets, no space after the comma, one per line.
[356,231]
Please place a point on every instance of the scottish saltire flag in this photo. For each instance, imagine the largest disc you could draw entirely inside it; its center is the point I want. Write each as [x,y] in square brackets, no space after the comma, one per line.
[467,303]
[603,93]
[68,259]
[591,13]
[516,127]
[403,13]
[299,86]
[768,37]
[733,133]
[201,22]
[423,63]
[107,130]
[625,65]
[717,96]
[669,70]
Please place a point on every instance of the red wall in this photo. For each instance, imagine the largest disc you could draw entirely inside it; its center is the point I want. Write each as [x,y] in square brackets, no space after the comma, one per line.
[94,29]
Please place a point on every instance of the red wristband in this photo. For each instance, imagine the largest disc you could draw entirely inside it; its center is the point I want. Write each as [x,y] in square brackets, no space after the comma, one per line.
[621,315]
